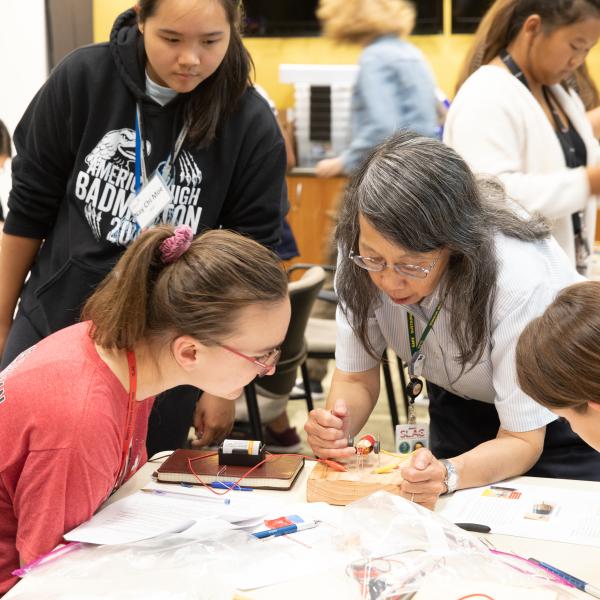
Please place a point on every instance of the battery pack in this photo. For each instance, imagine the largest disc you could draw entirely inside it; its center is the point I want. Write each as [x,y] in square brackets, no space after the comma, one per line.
[243,453]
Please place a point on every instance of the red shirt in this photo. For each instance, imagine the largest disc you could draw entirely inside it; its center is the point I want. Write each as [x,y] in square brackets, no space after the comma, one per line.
[62,424]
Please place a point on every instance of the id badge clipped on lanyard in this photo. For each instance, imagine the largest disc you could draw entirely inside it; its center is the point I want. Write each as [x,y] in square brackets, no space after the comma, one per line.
[152,199]
[412,435]
[152,196]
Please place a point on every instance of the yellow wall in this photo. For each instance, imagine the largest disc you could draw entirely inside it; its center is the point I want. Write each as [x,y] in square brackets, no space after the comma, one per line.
[444,52]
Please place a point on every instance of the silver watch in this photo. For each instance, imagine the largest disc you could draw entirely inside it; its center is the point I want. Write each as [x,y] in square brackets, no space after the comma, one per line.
[451,479]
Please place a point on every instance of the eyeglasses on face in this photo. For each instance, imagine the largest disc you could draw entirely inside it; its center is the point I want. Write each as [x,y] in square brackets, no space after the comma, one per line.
[266,362]
[376,265]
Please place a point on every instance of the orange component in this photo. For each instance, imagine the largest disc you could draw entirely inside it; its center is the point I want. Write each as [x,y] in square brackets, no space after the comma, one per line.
[336,466]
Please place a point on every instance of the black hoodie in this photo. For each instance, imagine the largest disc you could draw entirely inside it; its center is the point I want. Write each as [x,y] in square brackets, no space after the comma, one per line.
[73,175]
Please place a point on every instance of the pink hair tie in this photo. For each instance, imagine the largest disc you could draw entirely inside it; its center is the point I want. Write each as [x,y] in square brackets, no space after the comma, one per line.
[177,244]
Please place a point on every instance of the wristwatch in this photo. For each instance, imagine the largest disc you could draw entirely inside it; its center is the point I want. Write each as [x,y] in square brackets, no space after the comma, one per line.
[451,479]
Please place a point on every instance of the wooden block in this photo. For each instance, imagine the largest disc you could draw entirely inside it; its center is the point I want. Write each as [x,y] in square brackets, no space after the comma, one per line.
[341,488]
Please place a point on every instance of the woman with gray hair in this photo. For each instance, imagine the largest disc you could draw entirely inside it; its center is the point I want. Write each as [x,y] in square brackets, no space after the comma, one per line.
[429,253]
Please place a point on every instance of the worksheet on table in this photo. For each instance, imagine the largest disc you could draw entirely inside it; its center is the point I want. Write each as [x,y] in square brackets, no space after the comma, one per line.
[539,512]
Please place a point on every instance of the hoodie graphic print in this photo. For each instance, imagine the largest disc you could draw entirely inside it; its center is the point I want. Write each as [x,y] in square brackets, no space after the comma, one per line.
[106,186]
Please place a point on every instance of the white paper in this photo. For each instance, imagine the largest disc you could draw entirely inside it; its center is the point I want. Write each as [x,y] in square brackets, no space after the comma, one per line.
[530,511]
[147,514]
[241,507]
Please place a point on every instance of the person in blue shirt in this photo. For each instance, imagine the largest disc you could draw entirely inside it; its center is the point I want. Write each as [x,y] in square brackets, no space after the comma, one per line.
[395,88]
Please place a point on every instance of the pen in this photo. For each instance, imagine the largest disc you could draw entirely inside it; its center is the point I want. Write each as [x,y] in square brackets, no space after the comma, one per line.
[285,530]
[501,487]
[474,527]
[574,581]
[229,485]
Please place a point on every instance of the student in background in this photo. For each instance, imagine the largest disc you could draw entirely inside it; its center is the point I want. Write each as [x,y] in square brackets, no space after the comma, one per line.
[5,161]
[170,92]
[557,359]
[515,115]
[395,87]
[426,247]
[209,312]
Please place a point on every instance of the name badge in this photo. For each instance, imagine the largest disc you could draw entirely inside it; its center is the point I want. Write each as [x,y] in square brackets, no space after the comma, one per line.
[153,198]
[411,437]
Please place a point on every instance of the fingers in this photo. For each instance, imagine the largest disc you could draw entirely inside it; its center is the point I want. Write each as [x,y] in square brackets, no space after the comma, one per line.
[423,479]
[326,434]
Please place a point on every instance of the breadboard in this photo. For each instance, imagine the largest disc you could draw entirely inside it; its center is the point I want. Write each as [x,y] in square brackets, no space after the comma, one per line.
[340,488]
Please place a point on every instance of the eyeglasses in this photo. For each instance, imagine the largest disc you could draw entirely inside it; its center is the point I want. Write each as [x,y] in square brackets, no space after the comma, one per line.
[376,265]
[266,362]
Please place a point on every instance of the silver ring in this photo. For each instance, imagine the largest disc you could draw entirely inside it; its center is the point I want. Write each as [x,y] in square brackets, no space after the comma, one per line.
[412,497]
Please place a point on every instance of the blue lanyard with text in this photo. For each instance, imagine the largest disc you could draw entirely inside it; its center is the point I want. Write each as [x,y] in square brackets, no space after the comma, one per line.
[141,177]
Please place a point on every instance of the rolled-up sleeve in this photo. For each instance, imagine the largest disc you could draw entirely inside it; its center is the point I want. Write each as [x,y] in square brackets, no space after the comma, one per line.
[350,354]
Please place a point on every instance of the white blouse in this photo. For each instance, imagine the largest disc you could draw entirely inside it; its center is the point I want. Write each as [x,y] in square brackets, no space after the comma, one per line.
[529,277]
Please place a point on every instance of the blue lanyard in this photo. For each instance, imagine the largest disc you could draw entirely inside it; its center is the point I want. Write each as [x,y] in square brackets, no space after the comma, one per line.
[140,163]
[138,152]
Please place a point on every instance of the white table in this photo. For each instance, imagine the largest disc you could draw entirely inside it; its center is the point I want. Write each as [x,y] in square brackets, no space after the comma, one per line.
[581,561]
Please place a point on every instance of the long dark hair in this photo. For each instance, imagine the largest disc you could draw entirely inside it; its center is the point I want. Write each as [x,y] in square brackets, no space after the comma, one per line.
[220,93]
[200,294]
[419,194]
[505,18]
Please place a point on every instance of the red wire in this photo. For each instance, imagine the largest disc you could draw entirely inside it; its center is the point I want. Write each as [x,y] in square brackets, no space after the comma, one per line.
[262,462]
[476,596]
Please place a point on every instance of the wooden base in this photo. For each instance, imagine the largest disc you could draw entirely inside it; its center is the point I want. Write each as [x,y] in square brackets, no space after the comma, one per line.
[341,488]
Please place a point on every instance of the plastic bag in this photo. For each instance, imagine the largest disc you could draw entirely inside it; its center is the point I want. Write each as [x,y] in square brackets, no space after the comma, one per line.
[407,551]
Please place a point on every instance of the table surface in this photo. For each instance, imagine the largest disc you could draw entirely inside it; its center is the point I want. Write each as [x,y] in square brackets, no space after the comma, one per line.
[581,561]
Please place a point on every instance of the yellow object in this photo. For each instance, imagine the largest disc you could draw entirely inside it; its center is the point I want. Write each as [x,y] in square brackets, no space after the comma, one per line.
[388,468]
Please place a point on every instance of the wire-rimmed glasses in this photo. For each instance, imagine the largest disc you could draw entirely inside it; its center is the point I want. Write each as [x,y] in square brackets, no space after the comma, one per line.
[376,265]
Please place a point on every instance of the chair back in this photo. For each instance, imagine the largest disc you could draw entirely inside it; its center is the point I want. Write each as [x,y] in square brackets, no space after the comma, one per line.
[303,294]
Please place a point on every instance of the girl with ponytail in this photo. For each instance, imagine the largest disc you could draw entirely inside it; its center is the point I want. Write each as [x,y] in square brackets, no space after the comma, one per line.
[209,311]
[519,113]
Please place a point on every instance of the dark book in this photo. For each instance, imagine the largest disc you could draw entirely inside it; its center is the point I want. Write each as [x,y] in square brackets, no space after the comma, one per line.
[278,473]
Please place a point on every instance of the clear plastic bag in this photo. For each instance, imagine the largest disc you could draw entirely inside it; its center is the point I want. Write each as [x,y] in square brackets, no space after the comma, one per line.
[407,551]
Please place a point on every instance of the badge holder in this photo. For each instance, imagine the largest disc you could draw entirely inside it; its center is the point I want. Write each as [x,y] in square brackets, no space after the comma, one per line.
[411,436]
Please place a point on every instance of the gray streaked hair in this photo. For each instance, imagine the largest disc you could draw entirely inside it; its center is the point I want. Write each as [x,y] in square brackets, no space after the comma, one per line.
[420,195]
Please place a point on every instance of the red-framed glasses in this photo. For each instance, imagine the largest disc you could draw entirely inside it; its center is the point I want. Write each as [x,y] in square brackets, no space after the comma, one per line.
[266,362]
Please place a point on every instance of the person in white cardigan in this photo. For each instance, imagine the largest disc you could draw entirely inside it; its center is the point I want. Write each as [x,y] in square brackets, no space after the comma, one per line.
[510,113]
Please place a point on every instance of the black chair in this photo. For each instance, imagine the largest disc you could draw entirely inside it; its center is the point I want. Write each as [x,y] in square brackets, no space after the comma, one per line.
[303,294]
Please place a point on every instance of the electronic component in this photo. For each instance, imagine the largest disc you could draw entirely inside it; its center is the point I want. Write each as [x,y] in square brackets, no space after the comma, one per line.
[244,453]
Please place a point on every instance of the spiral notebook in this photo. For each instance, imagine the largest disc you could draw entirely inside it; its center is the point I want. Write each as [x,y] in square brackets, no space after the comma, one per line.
[278,473]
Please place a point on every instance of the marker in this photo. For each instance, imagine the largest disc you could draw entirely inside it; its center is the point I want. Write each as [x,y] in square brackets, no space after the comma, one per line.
[229,485]
[476,527]
[285,530]
[570,579]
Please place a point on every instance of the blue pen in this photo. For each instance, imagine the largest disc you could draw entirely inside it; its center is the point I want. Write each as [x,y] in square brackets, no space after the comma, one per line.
[229,485]
[574,581]
[285,530]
